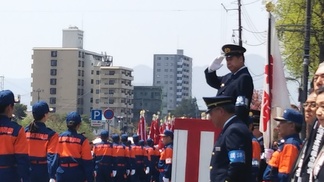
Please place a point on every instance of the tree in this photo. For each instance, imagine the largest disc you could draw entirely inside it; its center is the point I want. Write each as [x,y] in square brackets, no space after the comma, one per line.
[20,111]
[187,108]
[57,123]
[256,100]
[290,25]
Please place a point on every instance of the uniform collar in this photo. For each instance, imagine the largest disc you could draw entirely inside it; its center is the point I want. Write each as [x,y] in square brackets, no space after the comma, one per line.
[239,70]
[229,119]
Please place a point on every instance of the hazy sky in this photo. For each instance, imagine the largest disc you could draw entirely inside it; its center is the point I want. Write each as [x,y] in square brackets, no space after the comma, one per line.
[129,30]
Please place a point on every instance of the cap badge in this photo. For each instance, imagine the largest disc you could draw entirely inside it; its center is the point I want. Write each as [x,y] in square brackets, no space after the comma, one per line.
[227,50]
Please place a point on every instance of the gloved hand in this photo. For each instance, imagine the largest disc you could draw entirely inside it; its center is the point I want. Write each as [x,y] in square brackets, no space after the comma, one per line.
[95,173]
[127,172]
[268,154]
[114,172]
[165,179]
[147,170]
[132,171]
[216,64]
[52,180]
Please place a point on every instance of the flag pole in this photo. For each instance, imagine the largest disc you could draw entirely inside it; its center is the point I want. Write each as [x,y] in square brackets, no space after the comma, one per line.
[269,8]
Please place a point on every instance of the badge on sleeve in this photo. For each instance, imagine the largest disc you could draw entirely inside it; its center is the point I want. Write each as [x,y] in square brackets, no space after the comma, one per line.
[241,101]
[236,156]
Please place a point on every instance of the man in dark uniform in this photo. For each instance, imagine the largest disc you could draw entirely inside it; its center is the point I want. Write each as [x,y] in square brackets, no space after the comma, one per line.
[238,84]
[231,158]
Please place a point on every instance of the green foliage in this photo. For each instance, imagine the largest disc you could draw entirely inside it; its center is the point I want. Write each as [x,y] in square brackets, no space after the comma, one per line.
[187,108]
[291,25]
[20,111]
[57,123]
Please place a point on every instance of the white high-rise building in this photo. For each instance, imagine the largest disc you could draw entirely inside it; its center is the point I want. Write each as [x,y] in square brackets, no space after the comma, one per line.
[173,72]
[70,78]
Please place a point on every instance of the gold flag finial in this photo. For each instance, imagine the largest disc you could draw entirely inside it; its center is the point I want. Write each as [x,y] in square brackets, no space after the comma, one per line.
[270,6]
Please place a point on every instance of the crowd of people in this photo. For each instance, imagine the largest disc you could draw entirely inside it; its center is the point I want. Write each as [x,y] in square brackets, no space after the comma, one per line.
[38,154]
[239,154]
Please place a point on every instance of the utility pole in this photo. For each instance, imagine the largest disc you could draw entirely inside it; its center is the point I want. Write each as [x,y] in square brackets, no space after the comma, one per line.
[240,23]
[306,60]
[38,93]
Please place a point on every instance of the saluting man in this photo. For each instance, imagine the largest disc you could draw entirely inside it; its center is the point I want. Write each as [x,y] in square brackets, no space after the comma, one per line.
[231,158]
[238,84]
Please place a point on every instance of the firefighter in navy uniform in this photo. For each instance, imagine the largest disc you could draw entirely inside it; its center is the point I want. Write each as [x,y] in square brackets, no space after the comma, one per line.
[124,140]
[238,84]
[103,158]
[14,163]
[120,159]
[256,148]
[165,162]
[231,158]
[42,143]
[73,160]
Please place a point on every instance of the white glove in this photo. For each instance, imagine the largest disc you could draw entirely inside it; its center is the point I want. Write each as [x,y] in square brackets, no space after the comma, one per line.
[166,179]
[52,180]
[147,170]
[114,172]
[268,154]
[127,172]
[95,173]
[216,64]
[132,171]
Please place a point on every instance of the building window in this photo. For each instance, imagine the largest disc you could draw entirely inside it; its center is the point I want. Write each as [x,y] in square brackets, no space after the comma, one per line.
[91,72]
[97,82]
[97,72]
[158,70]
[53,53]
[91,100]
[52,100]
[91,81]
[53,81]
[111,82]
[97,101]
[159,58]
[166,70]
[53,62]
[52,90]
[97,91]
[91,90]
[111,101]
[111,91]
[79,63]
[111,72]
[53,72]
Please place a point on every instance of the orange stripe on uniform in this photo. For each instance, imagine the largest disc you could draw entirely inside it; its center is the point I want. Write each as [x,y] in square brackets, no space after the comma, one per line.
[287,158]
[256,150]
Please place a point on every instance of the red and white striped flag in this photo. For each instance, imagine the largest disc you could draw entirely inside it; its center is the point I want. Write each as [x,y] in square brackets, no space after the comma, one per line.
[192,147]
[142,128]
[275,97]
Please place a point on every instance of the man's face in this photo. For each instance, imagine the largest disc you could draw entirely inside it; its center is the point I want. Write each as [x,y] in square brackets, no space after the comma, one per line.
[215,115]
[319,78]
[310,108]
[320,108]
[234,63]
[166,140]
[285,128]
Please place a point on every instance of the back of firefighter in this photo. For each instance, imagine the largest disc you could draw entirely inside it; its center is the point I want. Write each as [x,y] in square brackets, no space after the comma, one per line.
[256,148]
[120,159]
[140,155]
[14,162]
[73,160]
[103,158]
[165,162]
[41,142]
[282,160]
[124,142]
[153,156]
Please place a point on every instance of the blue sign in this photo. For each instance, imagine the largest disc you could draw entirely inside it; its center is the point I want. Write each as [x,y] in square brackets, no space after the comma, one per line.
[96,114]
[108,114]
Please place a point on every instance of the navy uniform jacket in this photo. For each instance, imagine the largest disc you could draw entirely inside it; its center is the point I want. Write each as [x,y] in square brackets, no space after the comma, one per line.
[234,140]
[234,85]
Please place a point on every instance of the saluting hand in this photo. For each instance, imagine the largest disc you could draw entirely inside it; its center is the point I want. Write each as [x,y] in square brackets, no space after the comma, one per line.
[216,64]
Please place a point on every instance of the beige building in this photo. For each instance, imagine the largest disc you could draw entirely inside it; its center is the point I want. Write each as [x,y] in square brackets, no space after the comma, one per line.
[70,78]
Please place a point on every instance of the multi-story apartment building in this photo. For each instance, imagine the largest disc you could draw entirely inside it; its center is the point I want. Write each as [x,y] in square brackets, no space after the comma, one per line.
[148,98]
[173,72]
[70,78]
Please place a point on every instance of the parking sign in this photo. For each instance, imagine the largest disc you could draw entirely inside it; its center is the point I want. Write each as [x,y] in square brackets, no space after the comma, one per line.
[96,114]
